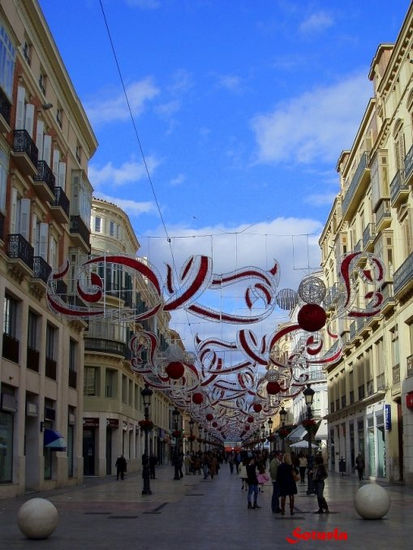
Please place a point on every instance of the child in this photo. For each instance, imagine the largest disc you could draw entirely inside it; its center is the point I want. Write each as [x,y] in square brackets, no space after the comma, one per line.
[262,477]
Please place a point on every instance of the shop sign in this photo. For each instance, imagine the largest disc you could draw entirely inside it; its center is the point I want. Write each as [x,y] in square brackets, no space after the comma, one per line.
[91,422]
[112,422]
[387,417]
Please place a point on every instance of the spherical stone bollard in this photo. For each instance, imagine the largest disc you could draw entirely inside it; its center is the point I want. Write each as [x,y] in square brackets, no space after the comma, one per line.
[37,518]
[372,501]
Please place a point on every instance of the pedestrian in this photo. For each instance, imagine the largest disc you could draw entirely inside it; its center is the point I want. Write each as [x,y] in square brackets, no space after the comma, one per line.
[360,465]
[187,461]
[262,476]
[252,484]
[231,462]
[319,475]
[286,478]
[243,474]
[120,467]
[275,500]
[152,463]
[302,464]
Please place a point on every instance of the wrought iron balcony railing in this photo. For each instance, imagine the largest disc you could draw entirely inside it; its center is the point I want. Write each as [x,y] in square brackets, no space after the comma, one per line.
[105,346]
[408,163]
[61,200]
[45,175]
[398,188]
[41,269]
[10,348]
[19,248]
[23,143]
[51,368]
[368,234]
[362,166]
[33,359]
[77,225]
[404,275]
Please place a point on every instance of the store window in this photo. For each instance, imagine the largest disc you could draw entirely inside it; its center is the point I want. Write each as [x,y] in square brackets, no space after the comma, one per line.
[6,447]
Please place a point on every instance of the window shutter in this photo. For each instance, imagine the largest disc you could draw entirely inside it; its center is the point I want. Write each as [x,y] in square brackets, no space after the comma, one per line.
[62,175]
[44,232]
[39,138]
[33,234]
[13,217]
[53,252]
[47,149]
[25,218]
[21,94]
[56,159]
[29,118]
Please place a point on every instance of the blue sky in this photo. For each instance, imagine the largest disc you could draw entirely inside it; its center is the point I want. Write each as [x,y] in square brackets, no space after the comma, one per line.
[242,109]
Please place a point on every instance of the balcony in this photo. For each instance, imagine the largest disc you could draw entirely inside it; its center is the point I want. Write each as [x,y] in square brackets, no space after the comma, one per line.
[357,248]
[41,269]
[61,289]
[399,190]
[396,374]
[50,368]
[357,187]
[403,277]
[32,359]
[1,227]
[368,237]
[105,346]
[408,165]
[10,348]
[5,110]
[25,153]
[383,216]
[21,254]
[80,232]
[60,205]
[44,181]
[353,330]
[388,299]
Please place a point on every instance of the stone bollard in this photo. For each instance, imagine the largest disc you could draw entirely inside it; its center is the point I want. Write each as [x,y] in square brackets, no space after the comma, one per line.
[372,501]
[37,518]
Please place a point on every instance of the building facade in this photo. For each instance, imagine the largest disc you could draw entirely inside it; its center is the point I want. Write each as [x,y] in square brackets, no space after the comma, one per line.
[369,408]
[45,199]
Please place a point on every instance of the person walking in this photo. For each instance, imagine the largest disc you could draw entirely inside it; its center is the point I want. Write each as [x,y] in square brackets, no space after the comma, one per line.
[319,475]
[302,464]
[120,467]
[152,463]
[243,475]
[275,499]
[252,484]
[360,465]
[286,478]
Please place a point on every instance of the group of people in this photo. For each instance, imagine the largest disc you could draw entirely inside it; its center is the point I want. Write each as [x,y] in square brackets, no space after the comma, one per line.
[284,475]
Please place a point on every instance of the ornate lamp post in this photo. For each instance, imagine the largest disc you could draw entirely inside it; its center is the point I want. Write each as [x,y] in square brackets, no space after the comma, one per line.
[262,436]
[283,416]
[175,414]
[191,435]
[270,433]
[147,427]
[309,396]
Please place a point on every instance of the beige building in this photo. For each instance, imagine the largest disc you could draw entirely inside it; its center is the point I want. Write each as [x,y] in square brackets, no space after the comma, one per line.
[113,404]
[45,200]
[370,411]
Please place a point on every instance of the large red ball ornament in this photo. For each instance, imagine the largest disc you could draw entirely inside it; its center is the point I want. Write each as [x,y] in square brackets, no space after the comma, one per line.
[197,398]
[273,388]
[175,370]
[311,317]
[257,407]
[209,417]
[214,424]
[250,419]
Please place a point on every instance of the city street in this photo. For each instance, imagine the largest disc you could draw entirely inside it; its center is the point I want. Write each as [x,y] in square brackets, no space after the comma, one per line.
[212,514]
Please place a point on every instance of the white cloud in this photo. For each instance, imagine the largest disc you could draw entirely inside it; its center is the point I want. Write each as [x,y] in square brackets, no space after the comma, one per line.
[314,126]
[180,178]
[316,22]
[110,109]
[229,82]
[166,110]
[127,172]
[132,208]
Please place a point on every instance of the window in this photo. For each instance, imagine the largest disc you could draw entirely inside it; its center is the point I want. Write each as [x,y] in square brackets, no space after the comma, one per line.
[98,224]
[78,153]
[124,389]
[110,383]
[112,228]
[27,51]
[59,116]
[19,215]
[7,60]
[32,330]
[51,333]
[4,169]
[91,381]
[42,82]
[10,341]
[73,359]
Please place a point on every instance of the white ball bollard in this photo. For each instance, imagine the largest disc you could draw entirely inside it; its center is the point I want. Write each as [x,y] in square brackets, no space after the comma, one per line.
[37,518]
[372,501]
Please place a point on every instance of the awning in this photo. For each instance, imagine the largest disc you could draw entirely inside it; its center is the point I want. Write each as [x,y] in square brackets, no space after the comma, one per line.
[54,440]
[322,432]
[302,445]
[298,433]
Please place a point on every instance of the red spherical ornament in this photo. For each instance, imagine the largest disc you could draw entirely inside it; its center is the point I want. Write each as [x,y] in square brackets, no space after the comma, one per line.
[311,317]
[257,407]
[250,419]
[247,427]
[209,417]
[214,424]
[273,388]
[197,398]
[175,370]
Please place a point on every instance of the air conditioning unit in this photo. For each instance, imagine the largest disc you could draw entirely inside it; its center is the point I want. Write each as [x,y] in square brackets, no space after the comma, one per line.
[32,409]
[8,402]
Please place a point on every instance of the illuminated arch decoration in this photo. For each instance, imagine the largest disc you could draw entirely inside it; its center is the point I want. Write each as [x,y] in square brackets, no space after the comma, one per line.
[228,399]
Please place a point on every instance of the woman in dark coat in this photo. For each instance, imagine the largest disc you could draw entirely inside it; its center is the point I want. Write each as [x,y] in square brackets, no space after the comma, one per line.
[286,482]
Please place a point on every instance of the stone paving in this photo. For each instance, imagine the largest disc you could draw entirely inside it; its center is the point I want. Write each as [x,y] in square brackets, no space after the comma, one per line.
[212,515]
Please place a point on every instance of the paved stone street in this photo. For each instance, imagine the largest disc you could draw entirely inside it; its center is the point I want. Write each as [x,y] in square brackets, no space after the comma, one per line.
[108,514]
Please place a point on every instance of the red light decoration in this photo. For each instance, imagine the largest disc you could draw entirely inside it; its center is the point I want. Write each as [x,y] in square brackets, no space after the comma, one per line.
[250,419]
[197,398]
[273,388]
[209,417]
[257,407]
[311,317]
[214,424]
[175,370]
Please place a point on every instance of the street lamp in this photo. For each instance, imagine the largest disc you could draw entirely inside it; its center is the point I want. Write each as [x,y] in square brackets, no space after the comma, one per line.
[283,417]
[270,433]
[262,436]
[309,396]
[175,414]
[146,396]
